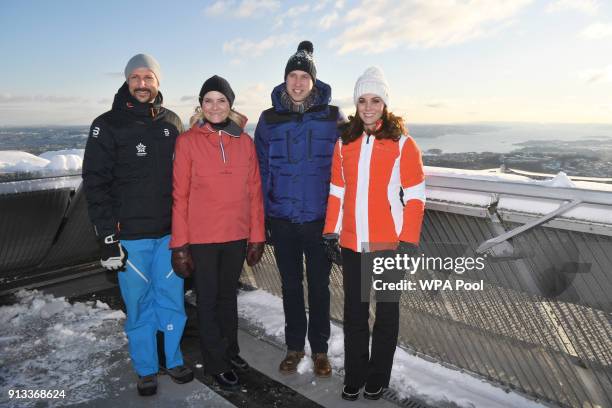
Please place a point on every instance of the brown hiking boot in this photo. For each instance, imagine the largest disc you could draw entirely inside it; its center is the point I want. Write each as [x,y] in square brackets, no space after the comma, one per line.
[322,368]
[291,361]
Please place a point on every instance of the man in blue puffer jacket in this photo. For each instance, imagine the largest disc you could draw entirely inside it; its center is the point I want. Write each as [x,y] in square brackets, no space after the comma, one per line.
[295,142]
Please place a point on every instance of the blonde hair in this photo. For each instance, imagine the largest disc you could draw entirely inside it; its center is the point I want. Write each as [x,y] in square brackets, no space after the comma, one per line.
[199,115]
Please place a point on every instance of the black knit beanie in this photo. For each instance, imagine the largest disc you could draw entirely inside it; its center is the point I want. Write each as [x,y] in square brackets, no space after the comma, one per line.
[302,60]
[216,83]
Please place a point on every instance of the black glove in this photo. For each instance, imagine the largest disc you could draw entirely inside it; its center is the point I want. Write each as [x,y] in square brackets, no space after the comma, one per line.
[407,248]
[255,251]
[332,249]
[112,255]
[182,263]
[268,229]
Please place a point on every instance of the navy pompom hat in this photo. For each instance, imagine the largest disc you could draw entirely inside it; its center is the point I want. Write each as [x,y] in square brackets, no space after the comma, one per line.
[302,60]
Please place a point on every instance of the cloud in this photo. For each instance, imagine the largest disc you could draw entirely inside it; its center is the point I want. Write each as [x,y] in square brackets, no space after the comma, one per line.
[9,98]
[217,8]
[55,99]
[321,4]
[254,94]
[328,20]
[292,13]
[591,76]
[243,8]
[374,27]
[188,98]
[252,100]
[244,47]
[345,103]
[436,105]
[584,6]
[597,31]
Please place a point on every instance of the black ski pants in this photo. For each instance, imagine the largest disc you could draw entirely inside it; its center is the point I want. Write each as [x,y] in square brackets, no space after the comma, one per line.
[360,366]
[217,270]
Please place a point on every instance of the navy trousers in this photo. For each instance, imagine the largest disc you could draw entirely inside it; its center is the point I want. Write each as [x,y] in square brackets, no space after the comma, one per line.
[291,243]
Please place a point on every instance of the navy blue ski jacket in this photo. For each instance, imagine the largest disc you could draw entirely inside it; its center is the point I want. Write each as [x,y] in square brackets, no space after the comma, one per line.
[295,155]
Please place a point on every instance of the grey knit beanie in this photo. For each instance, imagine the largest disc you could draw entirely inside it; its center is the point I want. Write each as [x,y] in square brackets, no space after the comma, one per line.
[143,61]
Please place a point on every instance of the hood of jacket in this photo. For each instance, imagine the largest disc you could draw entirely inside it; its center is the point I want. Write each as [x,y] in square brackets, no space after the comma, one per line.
[125,101]
[323,96]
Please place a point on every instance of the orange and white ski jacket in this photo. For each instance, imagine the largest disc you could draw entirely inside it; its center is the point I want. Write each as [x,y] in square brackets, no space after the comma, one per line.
[377,193]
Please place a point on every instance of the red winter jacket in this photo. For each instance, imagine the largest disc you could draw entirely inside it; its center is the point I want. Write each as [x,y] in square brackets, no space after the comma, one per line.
[217,187]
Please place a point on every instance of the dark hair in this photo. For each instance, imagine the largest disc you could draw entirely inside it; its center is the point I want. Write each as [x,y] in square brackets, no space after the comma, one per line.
[392,128]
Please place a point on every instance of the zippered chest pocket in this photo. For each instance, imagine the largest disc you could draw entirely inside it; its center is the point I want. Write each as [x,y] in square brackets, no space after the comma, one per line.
[320,147]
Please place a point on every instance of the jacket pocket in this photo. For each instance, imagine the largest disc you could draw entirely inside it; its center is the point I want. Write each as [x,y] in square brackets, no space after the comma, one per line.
[222,186]
[279,147]
[320,148]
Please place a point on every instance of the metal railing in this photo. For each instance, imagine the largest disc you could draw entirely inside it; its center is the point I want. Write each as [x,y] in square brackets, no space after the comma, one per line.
[542,324]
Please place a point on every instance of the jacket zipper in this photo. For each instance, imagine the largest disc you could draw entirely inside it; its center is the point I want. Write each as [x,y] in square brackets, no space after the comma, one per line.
[288,146]
[310,145]
[222,149]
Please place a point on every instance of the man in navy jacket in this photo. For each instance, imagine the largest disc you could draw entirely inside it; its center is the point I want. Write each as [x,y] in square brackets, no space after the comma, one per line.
[295,142]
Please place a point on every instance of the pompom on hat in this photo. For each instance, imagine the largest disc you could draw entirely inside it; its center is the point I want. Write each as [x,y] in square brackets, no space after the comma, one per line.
[372,81]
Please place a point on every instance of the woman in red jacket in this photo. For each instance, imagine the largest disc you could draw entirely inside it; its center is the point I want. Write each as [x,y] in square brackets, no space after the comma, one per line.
[376,204]
[217,219]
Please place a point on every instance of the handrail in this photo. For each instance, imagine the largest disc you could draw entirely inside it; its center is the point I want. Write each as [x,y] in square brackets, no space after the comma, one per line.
[519,189]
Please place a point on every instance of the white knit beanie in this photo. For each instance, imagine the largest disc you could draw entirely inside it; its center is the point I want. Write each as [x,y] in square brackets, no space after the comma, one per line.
[372,81]
[143,61]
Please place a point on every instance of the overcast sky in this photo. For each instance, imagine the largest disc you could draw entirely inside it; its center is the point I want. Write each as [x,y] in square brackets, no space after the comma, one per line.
[447,61]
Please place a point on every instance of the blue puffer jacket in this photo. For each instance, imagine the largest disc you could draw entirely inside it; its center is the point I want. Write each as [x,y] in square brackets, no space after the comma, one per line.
[295,154]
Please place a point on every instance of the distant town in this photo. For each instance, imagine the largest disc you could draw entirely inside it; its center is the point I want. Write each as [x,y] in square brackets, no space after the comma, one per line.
[591,157]
[583,158]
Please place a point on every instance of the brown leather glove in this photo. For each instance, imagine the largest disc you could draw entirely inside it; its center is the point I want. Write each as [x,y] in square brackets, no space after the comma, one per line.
[182,264]
[254,252]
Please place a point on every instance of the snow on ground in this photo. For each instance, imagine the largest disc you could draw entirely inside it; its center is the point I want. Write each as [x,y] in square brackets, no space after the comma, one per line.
[411,375]
[13,161]
[48,343]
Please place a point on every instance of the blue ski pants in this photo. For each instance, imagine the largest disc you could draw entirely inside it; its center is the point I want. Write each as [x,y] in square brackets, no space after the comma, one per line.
[154,300]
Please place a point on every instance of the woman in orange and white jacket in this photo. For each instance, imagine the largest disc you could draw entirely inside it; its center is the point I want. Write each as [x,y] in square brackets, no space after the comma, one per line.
[376,204]
[217,220]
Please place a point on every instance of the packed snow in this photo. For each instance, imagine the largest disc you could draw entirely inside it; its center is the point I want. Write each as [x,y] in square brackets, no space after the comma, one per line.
[560,180]
[52,183]
[13,161]
[411,375]
[457,196]
[48,343]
